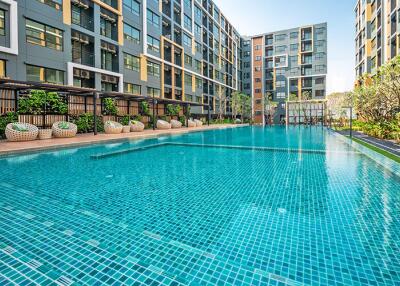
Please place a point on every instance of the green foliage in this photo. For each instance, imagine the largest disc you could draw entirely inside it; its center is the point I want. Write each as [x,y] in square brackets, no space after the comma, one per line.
[5,119]
[182,119]
[110,106]
[125,120]
[173,109]
[39,101]
[144,108]
[85,123]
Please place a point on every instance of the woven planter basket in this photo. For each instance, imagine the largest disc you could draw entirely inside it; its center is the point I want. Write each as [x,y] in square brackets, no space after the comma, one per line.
[64,133]
[136,126]
[126,129]
[161,124]
[112,127]
[45,134]
[198,123]
[18,136]
[175,124]
[191,124]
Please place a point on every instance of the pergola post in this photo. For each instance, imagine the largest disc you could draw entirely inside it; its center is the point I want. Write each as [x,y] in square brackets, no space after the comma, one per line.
[187,115]
[95,112]
[16,98]
[155,104]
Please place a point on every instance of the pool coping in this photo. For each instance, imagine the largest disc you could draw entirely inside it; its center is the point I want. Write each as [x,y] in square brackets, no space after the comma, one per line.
[81,140]
[387,163]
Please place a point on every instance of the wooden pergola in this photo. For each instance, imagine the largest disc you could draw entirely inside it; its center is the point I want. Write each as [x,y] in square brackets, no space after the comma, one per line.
[19,86]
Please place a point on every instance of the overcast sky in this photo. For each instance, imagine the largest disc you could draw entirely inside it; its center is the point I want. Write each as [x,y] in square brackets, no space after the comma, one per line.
[251,17]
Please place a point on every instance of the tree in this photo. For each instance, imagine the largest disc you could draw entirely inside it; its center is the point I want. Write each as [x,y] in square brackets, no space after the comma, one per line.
[221,92]
[236,103]
[246,106]
[270,106]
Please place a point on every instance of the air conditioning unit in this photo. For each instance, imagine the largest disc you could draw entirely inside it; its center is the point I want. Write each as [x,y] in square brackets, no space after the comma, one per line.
[85,74]
[113,79]
[85,39]
[77,72]
[112,48]
[104,77]
[75,36]
[104,46]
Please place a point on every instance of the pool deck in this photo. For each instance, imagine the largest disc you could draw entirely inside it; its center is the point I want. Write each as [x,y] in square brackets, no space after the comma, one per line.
[9,148]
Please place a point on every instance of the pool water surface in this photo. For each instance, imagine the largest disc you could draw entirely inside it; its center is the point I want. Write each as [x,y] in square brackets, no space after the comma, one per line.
[241,206]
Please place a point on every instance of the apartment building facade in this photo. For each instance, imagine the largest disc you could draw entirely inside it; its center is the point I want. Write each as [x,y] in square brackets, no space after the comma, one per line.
[176,49]
[184,50]
[377,39]
[288,63]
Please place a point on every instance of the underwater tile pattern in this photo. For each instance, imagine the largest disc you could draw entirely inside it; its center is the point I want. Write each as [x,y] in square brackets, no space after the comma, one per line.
[246,206]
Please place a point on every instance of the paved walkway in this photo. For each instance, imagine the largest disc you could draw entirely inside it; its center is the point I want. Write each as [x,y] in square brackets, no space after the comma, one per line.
[386,145]
[89,139]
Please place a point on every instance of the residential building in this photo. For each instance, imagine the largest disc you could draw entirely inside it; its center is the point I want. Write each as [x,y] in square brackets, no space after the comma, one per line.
[287,64]
[377,39]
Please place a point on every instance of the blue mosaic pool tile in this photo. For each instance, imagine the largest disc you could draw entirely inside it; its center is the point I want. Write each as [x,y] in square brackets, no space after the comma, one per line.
[178,215]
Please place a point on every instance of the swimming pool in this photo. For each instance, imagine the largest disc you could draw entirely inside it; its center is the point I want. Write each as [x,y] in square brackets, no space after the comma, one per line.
[243,206]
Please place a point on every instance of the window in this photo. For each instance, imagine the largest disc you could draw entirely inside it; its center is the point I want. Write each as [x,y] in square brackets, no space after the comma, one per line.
[131,62]
[153,69]
[42,35]
[188,61]
[280,83]
[41,74]
[258,47]
[281,95]
[132,88]
[131,34]
[197,30]
[280,49]
[280,37]
[133,6]
[197,47]
[187,21]
[153,18]
[187,41]
[258,58]
[320,80]
[2,22]
[294,47]
[198,65]
[153,44]
[199,82]
[294,35]
[197,12]
[3,69]
[153,92]
[188,79]
[320,93]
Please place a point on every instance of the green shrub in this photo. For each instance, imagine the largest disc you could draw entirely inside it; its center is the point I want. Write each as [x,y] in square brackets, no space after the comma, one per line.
[144,108]
[110,106]
[39,101]
[5,119]
[125,120]
[85,123]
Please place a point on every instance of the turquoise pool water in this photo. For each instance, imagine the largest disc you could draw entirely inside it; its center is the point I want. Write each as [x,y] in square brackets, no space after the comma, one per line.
[245,206]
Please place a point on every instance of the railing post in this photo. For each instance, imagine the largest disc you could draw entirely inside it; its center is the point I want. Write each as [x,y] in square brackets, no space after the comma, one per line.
[95,112]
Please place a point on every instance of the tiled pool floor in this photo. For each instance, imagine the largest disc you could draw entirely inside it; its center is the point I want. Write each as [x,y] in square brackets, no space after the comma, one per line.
[193,215]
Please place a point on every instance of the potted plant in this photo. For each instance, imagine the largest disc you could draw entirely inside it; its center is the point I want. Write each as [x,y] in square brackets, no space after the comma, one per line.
[126,128]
